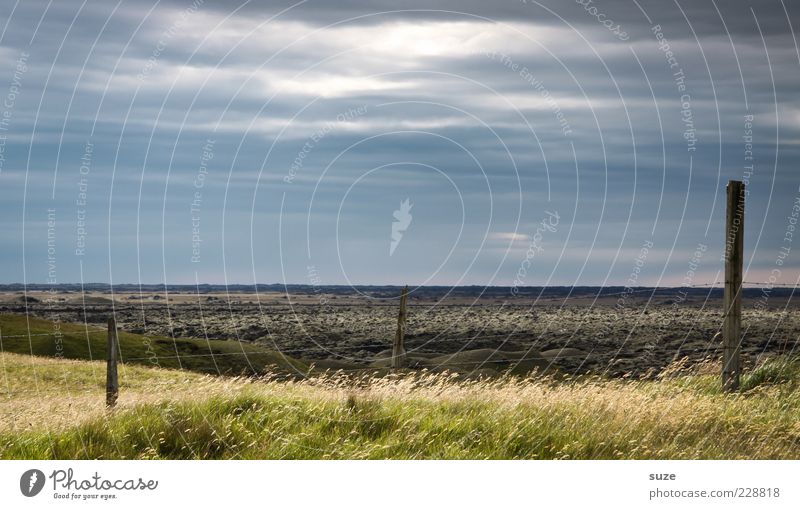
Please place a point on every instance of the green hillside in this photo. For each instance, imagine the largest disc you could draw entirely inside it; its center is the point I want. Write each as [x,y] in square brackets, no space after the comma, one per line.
[34,336]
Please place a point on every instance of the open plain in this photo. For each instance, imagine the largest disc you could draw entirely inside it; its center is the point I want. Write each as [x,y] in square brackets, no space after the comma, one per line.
[610,331]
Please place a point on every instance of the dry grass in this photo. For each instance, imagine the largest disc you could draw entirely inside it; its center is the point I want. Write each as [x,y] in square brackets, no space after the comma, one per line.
[53,409]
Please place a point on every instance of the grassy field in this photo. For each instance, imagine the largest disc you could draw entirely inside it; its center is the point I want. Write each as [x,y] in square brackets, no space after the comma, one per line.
[54,409]
[29,335]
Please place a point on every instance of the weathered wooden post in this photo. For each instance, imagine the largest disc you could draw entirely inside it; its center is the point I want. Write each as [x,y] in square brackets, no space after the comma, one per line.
[734,247]
[398,349]
[112,380]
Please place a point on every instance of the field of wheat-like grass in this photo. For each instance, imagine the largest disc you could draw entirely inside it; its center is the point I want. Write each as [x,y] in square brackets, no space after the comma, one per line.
[54,409]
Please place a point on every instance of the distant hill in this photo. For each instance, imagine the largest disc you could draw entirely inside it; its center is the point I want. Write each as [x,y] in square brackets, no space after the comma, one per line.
[28,335]
[393,290]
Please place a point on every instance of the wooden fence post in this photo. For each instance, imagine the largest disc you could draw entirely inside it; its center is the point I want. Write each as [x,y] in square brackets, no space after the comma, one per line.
[112,380]
[734,247]
[398,349]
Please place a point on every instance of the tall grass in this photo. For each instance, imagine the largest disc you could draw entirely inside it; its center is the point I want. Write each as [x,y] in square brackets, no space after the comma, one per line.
[774,371]
[170,414]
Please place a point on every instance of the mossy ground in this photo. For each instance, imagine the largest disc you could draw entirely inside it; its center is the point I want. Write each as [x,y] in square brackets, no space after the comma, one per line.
[29,335]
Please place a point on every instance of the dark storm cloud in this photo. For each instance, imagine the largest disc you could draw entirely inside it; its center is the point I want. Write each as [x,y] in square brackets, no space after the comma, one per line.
[503,108]
[706,17]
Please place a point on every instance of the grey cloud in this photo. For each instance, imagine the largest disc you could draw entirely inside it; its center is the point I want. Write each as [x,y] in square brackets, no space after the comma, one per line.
[146,126]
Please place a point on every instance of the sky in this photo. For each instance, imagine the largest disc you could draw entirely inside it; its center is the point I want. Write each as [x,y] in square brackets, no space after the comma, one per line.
[356,142]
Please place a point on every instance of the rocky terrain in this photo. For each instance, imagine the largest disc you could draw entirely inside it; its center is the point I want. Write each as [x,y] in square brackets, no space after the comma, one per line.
[579,331]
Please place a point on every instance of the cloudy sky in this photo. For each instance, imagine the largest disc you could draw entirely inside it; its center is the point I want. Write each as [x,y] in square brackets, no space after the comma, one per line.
[535,142]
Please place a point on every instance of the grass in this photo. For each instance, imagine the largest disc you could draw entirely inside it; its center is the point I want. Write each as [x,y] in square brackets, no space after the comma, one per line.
[774,371]
[28,335]
[52,409]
